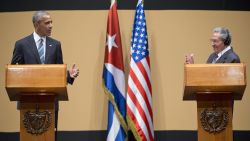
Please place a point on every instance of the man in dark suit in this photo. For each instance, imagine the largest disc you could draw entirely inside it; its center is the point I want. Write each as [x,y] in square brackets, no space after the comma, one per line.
[39,48]
[223,52]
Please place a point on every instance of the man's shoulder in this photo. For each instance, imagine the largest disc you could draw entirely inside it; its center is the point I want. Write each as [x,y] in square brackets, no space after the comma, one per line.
[24,39]
[232,57]
[50,39]
[232,54]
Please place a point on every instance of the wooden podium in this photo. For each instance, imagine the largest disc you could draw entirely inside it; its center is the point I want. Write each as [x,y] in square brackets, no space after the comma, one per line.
[214,87]
[37,87]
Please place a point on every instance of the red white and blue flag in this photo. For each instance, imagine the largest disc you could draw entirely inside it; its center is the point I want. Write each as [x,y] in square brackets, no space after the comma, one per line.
[114,79]
[139,93]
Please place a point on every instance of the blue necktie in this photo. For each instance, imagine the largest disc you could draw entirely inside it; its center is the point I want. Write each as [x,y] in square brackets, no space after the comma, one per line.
[41,51]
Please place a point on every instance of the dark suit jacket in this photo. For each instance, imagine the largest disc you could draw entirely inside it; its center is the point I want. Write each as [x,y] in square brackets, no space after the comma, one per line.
[25,52]
[228,57]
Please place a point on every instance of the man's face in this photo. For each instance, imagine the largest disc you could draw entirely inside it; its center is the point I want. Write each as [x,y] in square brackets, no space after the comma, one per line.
[44,26]
[217,42]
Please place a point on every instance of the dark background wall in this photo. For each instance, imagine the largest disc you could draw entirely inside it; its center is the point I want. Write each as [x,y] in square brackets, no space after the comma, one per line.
[29,5]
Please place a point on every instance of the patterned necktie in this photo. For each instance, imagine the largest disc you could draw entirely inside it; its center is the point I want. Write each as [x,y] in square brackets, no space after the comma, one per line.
[41,51]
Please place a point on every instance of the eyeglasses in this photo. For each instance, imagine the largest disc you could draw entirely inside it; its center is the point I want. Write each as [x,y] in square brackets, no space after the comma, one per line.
[216,41]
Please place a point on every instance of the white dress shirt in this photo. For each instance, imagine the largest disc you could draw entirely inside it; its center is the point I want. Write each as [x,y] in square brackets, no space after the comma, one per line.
[223,52]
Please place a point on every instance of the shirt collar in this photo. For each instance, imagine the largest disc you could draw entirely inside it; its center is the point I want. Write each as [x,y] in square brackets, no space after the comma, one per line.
[224,51]
[37,37]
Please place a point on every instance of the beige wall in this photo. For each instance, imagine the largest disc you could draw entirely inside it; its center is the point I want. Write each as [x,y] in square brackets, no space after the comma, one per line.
[172,34]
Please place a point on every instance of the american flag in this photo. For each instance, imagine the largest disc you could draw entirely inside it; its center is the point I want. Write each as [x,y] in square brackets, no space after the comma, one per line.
[114,79]
[139,94]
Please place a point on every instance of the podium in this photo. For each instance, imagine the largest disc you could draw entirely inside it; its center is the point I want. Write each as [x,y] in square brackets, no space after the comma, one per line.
[214,87]
[37,88]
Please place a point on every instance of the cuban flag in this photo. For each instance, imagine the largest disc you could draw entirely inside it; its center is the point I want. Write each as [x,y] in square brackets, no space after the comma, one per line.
[114,79]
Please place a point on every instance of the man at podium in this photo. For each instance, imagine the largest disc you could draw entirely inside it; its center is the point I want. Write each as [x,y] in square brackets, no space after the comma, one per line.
[216,91]
[39,48]
[223,52]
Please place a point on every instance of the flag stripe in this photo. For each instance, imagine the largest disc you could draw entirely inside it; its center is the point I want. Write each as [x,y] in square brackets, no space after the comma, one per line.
[140,125]
[114,94]
[148,62]
[135,124]
[118,76]
[140,105]
[133,93]
[145,73]
[114,129]
[146,65]
[138,89]
[141,80]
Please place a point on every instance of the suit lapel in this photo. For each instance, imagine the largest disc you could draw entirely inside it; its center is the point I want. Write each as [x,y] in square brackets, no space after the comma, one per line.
[211,58]
[33,47]
[223,58]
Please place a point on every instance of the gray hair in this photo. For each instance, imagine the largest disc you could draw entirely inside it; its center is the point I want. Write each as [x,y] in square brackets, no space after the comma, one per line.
[225,35]
[37,15]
